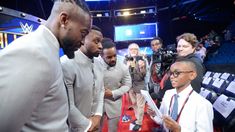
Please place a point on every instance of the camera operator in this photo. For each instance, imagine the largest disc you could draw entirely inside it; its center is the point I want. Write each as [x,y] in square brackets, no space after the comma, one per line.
[137,68]
[186,46]
[155,71]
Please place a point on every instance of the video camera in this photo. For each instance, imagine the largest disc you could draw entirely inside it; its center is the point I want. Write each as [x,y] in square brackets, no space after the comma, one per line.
[130,58]
[164,56]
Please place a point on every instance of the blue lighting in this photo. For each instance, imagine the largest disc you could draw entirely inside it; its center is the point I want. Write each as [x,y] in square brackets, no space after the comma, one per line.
[106,14]
[136,32]
[97,0]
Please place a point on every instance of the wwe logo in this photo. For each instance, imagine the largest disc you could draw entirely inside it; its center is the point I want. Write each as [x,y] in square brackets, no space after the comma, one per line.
[26,28]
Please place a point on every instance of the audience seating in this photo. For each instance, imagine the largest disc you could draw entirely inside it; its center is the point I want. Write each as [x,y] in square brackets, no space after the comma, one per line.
[219,89]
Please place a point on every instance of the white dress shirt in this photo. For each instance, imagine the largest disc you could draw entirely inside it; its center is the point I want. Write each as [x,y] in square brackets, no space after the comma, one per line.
[197,114]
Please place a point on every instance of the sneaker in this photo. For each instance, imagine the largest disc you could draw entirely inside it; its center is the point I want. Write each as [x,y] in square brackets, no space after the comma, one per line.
[137,127]
[126,118]
[133,122]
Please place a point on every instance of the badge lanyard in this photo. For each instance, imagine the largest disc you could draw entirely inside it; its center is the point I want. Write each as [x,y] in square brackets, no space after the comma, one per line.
[178,117]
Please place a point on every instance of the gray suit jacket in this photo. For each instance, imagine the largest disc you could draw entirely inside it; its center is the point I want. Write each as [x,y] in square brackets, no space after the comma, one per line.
[118,79]
[32,93]
[84,80]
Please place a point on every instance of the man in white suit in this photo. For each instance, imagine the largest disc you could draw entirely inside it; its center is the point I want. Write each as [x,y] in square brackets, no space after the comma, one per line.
[84,80]
[117,81]
[32,93]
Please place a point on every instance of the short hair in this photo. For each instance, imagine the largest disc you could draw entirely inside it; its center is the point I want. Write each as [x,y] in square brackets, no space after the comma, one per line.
[157,38]
[107,43]
[81,3]
[133,45]
[94,27]
[189,37]
[188,62]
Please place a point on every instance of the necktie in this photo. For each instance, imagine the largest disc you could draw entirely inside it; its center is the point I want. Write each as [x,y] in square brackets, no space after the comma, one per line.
[174,112]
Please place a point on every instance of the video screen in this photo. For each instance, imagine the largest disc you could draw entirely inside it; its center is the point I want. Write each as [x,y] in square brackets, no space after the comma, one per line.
[135,32]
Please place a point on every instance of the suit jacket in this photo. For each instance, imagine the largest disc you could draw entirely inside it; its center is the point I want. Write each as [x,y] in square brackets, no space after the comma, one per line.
[197,114]
[32,93]
[118,79]
[84,80]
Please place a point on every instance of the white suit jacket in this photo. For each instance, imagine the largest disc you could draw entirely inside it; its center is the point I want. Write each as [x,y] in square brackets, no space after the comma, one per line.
[32,94]
[118,79]
[84,80]
[197,115]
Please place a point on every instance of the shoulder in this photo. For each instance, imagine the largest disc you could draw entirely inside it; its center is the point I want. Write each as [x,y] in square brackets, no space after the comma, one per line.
[169,93]
[68,66]
[200,101]
[121,64]
[194,58]
[28,50]
[66,62]
[197,61]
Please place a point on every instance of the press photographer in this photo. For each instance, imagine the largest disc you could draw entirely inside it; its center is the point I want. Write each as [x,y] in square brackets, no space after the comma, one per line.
[137,67]
[159,61]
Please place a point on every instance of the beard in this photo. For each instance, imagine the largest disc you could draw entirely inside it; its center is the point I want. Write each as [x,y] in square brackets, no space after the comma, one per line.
[112,64]
[69,48]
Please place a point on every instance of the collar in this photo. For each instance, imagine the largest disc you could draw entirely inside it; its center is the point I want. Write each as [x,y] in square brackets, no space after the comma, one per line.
[49,36]
[106,66]
[81,57]
[185,92]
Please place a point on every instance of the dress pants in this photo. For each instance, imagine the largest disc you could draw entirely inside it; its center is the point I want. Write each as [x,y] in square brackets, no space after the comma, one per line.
[112,123]
[138,103]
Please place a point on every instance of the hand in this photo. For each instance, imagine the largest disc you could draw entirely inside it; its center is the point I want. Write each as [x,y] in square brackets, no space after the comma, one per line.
[95,122]
[151,112]
[141,64]
[108,93]
[171,124]
[128,63]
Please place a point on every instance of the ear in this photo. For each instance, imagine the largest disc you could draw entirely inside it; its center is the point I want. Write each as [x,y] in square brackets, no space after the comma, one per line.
[64,18]
[193,75]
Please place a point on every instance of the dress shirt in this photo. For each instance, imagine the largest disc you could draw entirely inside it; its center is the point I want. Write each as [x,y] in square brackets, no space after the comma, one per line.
[197,114]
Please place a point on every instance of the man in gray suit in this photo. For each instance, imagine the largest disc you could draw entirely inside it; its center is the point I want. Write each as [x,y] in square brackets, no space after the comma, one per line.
[32,93]
[84,80]
[117,81]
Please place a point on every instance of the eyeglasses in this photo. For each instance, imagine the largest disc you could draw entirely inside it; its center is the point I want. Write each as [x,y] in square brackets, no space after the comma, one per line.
[177,73]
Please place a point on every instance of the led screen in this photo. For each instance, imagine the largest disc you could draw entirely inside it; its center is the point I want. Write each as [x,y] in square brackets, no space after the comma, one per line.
[135,32]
